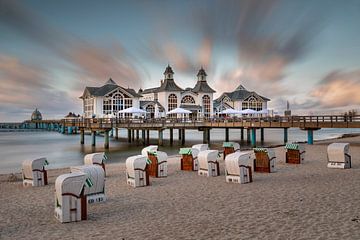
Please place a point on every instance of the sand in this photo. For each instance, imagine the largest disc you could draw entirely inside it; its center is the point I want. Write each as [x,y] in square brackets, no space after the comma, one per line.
[307,201]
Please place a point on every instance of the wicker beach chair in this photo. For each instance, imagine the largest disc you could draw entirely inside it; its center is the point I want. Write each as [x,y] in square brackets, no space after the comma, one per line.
[136,171]
[238,167]
[189,159]
[158,161]
[264,160]
[34,172]
[96,192]
[96,159]
[70,200]
[208,164]
[295,153]
[230,147]
[339,155]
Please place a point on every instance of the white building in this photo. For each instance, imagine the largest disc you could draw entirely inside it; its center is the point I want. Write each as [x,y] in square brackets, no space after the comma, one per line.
[108,99]
[240,99]
[198,100]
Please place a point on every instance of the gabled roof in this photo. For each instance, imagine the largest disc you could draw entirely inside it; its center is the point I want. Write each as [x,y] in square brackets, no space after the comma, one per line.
[150,90]
[169,85]
[241,93]
[108,87]
[201,72]
[168,70]
[144,104]
[202,86]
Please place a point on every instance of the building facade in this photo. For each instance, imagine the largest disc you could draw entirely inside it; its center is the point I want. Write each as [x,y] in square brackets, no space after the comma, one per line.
[108,100]
[168,96]
[240,99]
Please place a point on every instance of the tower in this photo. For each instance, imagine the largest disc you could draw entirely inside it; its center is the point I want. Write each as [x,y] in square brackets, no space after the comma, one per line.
[169,73]
[201,75]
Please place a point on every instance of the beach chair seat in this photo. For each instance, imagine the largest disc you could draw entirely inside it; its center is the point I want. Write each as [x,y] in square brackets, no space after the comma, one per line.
[238,167]
[158,164]
[136,171]
[70,200]
[339,155]
[208,163]
[264,160]
[96,192]
[189,161]
[96,159]
[34,172]
[295,153]
[230,147]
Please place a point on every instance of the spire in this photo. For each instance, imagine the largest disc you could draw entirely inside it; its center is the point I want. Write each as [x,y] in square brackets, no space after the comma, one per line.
[168,72]
[111,82]
[201,74]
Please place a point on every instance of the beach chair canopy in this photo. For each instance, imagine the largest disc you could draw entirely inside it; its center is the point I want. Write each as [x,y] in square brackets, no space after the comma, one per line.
[234,145]
[151,148]
[29,165]
[207,156]
[201,147]
[337,151]
[135,162]
[70,183]
[234,160]
[161,156]
[97,176]
[97,158]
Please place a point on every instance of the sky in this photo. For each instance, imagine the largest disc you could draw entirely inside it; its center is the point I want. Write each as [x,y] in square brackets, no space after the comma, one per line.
[305,52]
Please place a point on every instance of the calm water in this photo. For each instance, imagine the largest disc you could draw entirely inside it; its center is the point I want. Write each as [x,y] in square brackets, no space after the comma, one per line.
[66,150]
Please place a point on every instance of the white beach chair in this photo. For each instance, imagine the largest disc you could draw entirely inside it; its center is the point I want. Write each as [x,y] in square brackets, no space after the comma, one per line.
[238,167]
[339,155]
[70,200]
[201,147]
[96,159]
[96,192]
[151,148]
[34,173]
[264,160]
[208,164]
[136,174]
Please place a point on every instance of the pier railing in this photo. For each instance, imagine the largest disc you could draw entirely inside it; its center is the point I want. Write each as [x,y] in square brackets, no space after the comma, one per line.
[304,122]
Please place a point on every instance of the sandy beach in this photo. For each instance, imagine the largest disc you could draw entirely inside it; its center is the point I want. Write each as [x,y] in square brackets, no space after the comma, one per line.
[307,201]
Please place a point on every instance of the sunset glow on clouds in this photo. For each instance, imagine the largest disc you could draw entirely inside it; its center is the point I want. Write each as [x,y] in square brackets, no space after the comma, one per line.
[49,51]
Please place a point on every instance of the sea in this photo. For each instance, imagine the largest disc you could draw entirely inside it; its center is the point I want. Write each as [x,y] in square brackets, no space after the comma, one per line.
[64,150]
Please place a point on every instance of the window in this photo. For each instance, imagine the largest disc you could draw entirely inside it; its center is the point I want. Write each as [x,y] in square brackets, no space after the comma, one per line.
[206,105]
[188,100]
[107,106]
[115,102]
[150,111]
[252,103]
[88,107]
[172,104]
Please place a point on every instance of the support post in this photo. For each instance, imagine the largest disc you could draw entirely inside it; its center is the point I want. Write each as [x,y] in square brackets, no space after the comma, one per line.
[137,135]
[183,137]
[143,136]
[262,134]
[248,135]
[106,136]
[226,134]
[147,136]
[310,136]
[171,136]
[133,135]
[129,135]
[93,138]
[82,136]
[285,135]
[253,137]
[242,134]
[116,133]
[179,134]
[205,136]
[160,137]
[112,132]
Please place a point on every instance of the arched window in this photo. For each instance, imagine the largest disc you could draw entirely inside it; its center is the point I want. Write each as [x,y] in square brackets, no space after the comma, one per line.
[107,108]
[172,104]
[150,110]
[188,100]
[252,103]
[117,102]
[206,105]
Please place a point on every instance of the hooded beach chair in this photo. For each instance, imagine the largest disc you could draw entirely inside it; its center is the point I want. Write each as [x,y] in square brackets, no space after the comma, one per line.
[34,173]
[96,159]
[238,167]
[295,153]
[94,193]
[208,164]
[230,147]
[339,155]
[201,147]
[189,161]
[70,200]
[157,166]
[264,160]
[136,171]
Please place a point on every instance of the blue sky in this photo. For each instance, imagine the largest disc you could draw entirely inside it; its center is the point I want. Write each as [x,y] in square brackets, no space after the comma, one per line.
[306,52]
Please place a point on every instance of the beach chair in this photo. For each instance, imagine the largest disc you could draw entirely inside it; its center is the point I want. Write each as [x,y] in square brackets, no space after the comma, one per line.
[201,147]
[230,147]
[70,200]
[238,167]
[34,173]
[295,153]
[339,155]
[264,160]
[151,148]
[208,164]
[136,171]
[96,192]
[96,159]
[189,161]
[158,161]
